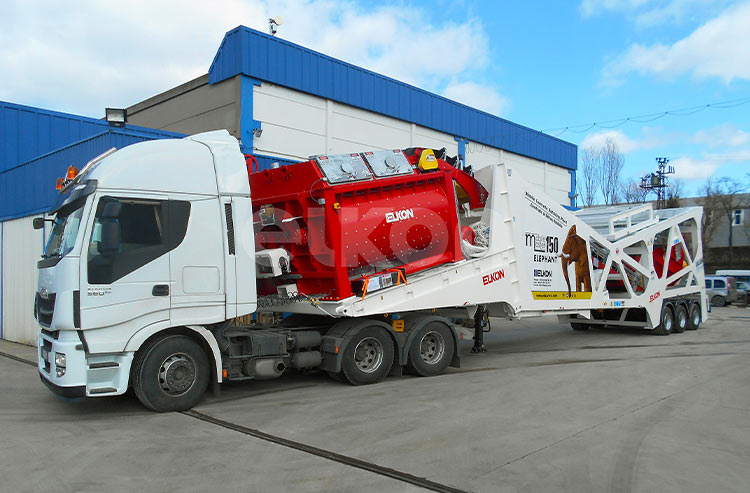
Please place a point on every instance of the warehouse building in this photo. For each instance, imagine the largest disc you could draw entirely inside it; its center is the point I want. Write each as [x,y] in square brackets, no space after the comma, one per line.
[284,103]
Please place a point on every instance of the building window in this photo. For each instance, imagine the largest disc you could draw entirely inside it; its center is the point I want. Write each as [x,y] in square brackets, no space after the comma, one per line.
[738,217]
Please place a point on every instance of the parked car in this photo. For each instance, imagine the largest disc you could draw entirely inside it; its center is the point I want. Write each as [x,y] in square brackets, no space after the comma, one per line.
[738,274]
[721,290]
[742,288]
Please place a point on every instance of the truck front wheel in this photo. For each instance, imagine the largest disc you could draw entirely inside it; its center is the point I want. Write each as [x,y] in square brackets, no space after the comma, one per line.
[368,356]
[171,374]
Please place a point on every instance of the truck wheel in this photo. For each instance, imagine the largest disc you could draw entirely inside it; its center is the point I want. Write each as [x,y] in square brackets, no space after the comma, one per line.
[171,374]
[718,301]
[431,350]
[368,357]
[667,321]
[680,319]
[694,320]
[579,326]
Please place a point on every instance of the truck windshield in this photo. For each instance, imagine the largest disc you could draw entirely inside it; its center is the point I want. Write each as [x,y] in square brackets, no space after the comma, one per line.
[64,233]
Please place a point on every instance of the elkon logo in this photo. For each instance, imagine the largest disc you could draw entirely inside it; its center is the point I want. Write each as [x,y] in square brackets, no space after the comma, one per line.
[392,217]
[495,276]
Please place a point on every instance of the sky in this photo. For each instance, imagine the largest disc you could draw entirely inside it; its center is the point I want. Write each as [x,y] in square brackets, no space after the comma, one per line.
[555,66]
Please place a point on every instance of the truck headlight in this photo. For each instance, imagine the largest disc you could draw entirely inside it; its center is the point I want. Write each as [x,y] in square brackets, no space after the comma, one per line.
[60,371]
[60,360]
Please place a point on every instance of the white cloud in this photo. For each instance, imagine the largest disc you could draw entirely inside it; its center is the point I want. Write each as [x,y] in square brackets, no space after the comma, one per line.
[700,168]
[479,96]
[650,138]
[719,48]
[726,135]
[590,8]
[649,13]
[689,168]
[84,56]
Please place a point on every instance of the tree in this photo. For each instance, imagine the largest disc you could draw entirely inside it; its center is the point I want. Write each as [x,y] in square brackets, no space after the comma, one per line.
[632,193]
[611,162]
[675,191]
[590,169]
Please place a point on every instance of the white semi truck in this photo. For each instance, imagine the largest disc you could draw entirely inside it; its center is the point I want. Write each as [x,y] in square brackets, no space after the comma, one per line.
[156,249]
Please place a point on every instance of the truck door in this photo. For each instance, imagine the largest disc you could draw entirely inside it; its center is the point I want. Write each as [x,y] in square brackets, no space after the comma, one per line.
[125,278]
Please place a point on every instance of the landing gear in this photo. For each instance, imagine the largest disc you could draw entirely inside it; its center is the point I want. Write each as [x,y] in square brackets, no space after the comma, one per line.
[481,320]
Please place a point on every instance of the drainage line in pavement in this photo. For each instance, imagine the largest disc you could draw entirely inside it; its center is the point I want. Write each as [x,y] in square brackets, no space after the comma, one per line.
[327,454]
[18,358]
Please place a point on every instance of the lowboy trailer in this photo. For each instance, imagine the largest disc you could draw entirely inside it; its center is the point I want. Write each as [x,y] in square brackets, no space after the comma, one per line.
[157,250]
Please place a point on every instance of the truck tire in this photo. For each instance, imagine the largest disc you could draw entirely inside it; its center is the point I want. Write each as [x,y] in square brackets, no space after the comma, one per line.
[694,320]
[579,326]
[680,319]
[431,350]
[171,374]
[718,301]
[368,356]
[666,321]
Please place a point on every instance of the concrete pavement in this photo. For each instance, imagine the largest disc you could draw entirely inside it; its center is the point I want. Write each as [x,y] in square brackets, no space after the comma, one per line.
[545,409]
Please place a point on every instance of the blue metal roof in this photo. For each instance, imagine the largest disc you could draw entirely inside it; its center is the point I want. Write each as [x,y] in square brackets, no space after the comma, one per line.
[31,162]
[267,58]
[27,133]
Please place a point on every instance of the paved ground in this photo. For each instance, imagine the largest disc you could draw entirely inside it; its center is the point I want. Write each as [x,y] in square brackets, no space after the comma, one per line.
[545,409]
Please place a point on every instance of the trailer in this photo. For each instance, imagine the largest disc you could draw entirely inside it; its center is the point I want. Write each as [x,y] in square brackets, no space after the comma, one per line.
[160,249]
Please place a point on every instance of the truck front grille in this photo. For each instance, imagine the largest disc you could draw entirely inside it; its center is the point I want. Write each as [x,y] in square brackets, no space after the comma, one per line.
[46,350]
[45,308]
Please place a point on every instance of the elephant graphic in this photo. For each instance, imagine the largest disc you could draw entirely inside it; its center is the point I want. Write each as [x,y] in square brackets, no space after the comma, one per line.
[574,251]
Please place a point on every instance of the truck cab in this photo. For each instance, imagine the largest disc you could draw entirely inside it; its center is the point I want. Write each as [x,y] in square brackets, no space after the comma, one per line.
[153,239]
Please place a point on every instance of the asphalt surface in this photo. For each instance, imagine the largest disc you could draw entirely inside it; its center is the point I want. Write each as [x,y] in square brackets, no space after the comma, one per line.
[546,408]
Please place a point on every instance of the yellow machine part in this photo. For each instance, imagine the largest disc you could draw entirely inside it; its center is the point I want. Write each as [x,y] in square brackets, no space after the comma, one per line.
[427,160]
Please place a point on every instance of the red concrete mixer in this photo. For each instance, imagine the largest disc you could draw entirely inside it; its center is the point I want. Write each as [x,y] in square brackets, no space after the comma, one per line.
[363,220]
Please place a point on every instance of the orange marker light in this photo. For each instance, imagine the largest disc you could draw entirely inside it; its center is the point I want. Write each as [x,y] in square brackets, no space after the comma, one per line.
[224,373]
[72,172]
[59,184]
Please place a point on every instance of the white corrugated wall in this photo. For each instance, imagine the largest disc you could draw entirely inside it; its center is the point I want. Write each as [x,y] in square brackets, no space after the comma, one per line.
[20,249]
[297,125]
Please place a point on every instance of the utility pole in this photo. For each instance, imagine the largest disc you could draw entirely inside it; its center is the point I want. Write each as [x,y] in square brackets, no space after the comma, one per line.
[659,181]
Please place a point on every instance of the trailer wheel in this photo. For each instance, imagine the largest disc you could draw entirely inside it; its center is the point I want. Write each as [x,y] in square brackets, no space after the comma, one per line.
[667,321]
[368,356]
[579,326]
[171,374]
[694,320]
[718,301]
[431,350]
[680,319]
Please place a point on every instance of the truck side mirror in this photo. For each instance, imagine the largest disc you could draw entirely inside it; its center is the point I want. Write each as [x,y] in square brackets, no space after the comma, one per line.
[38,222]
[111,210]
[110,239]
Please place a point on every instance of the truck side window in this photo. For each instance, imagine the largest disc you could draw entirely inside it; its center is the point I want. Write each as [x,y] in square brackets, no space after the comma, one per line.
[719,284]
[708,283]
[148,229]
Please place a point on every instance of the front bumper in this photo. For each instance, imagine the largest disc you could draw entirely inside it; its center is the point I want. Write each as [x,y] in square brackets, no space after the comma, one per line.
[86,375]
[69,392]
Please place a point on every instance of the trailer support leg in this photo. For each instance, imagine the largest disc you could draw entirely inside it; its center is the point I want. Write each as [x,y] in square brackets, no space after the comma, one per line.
[479,323]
